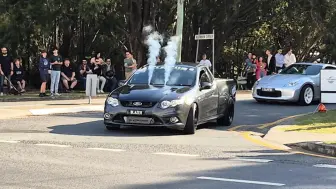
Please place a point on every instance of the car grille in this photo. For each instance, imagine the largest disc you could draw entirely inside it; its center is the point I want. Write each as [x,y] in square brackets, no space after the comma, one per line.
[268,93]
[119,118]
[133,104]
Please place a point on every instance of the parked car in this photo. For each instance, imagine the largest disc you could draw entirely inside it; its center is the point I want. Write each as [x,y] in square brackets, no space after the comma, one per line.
[299,82]
[191,96]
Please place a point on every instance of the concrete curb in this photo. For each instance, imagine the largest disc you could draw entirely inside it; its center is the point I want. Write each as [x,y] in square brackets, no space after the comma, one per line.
[49,111]
[25,99]
[317,147]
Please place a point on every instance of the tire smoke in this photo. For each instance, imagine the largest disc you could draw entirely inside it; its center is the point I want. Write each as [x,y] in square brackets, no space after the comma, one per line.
[171,54]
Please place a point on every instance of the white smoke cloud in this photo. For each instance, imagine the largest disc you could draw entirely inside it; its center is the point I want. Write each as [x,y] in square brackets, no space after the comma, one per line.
[170,60]
[153,41]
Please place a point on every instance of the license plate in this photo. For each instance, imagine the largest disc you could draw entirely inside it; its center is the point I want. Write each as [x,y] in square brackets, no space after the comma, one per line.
[138,120]
[135,112]
[267,89]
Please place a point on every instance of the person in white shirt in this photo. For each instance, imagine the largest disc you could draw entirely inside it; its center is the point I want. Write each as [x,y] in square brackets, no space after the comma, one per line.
[290,58]
[279,59]
[205,61]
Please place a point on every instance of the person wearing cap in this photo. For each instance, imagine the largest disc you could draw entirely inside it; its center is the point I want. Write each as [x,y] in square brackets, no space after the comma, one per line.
[280,60]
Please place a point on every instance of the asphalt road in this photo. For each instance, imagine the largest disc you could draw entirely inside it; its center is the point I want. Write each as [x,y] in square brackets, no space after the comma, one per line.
[75,151]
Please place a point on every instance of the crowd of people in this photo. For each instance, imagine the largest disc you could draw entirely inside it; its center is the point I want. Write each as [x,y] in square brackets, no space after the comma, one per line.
[258,67]
[61,73]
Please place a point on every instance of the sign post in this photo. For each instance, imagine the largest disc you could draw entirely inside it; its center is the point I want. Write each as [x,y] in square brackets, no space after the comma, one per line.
[91,86]
[328,86]
[207,37]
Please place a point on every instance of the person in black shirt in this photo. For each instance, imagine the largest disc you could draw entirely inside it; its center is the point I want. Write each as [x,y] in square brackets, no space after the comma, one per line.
[6,68]
[84,69]
[97,69]
[109,74]
[68,76]
[18,76]
[44,69]
[56,63]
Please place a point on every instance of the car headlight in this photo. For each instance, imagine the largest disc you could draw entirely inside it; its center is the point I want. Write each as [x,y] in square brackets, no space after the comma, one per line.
[292,84]
[112,101]
[167,104]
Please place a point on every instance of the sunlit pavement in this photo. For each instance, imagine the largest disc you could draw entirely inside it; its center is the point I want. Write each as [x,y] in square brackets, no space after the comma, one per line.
[75,151]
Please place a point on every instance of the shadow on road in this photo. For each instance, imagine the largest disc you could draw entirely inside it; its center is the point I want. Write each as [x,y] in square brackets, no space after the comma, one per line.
[97,128]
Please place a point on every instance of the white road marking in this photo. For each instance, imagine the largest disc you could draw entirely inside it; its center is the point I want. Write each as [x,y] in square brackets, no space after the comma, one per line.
[53,145]
[9,141]
[175,154]
[108,149]
[253,160]
[325,166]
[241,181]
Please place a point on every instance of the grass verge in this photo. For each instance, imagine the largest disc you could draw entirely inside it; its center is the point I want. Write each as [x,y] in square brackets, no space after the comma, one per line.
[315,123]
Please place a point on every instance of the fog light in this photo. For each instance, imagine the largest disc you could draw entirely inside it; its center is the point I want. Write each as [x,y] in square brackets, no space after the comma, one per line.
[107,116]
[174,120]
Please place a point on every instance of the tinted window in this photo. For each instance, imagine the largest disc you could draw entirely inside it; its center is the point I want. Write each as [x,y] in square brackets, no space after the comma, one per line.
[204,78]
[180,76]
[302,69]
[330,68]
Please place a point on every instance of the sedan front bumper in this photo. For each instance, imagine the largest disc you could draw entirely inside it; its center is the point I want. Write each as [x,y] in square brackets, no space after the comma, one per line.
[286,94]
[151,117]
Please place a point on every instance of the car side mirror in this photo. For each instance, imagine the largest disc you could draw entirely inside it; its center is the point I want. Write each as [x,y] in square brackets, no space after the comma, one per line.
[205,85]
[121,83]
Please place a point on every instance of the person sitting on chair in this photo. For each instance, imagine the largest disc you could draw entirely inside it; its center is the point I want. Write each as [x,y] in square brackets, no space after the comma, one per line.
[18,75]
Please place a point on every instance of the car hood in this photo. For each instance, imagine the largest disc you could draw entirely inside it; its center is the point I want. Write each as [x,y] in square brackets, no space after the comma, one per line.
[149,93]
[281,78]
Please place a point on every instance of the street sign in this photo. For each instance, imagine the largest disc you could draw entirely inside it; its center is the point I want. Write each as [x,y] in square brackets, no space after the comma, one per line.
[91,86]
[204,36]
[328,86]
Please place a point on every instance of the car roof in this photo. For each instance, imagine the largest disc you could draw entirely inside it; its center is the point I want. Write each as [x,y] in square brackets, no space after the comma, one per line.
[311,63]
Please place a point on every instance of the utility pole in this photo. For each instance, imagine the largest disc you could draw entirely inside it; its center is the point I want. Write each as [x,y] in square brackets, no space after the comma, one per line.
[179,27]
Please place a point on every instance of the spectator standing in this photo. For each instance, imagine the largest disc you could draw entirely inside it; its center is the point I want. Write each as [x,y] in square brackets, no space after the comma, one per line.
[261,68]
[129,64]
[18,75]
[68,76]
[205,61]
[109,74]
[280,60]
[290,58]
[97,69]
[6,68]
[97,56]
[44,68]
[250,70]
[84,69]
[271,63]
[56,63]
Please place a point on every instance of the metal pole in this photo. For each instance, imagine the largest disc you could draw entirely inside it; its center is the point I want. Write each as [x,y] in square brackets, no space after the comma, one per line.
[179,27]
[199,32]
[213,53]
[90,90]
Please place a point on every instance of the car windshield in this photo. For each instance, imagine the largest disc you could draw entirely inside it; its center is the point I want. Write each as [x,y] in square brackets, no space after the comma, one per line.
[302,69]
[180,76]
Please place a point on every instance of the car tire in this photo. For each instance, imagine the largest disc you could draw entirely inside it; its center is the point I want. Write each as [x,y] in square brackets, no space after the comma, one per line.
[191,124]
[306,95]
[112,127]
[227,119]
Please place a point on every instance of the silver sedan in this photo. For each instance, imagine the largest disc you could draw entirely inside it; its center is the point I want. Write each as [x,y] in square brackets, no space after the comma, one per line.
[299,82]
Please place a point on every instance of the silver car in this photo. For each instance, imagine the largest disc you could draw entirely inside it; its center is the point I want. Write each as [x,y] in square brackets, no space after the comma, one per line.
[299,82]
